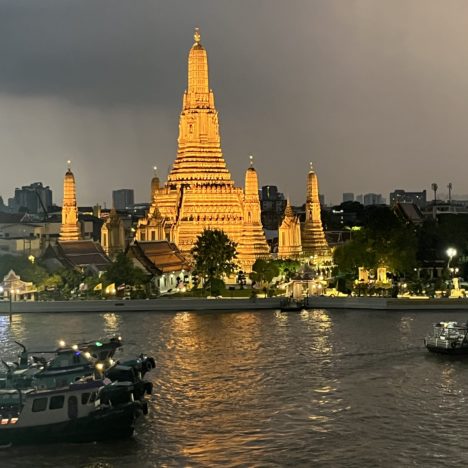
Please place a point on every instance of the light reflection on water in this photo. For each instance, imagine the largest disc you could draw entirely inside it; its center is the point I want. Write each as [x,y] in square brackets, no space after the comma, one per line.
[311,388]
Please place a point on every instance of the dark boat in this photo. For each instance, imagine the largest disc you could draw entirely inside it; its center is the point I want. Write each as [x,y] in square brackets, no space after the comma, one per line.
[80,394]
[292,305]
[448,338]
[85,411]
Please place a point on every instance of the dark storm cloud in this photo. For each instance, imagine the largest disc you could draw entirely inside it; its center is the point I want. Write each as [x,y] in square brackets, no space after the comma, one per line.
[374,92]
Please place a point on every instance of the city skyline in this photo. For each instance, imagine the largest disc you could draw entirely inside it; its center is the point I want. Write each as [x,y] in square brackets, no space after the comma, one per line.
[372,94]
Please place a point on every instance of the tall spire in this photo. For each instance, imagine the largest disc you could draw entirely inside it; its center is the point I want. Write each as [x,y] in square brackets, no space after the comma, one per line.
[69,229]
[199,157]
[198,86]
[313,237]
[252,244]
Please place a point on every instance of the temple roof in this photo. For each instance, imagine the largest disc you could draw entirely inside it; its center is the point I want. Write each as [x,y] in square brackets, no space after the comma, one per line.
[162,255]
[78,254]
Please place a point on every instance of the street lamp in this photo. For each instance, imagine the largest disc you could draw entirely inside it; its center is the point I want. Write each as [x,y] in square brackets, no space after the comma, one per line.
[451,252]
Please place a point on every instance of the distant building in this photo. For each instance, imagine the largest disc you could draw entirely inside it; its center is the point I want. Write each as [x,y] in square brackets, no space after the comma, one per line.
[34,198]
[272,205]
[402,196]
[373,199]
[348,196]
[321,199]
[360,199]
[123,199]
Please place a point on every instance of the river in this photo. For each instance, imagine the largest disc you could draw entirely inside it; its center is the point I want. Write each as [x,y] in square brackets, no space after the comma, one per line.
[316,388]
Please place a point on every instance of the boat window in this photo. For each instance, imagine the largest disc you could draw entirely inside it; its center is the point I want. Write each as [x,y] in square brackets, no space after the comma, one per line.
[93,397]
[39,404]
[84,398]
[56,402]
[72,407]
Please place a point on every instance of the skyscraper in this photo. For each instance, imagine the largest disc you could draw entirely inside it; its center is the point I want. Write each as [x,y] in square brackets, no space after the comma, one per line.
[123,199]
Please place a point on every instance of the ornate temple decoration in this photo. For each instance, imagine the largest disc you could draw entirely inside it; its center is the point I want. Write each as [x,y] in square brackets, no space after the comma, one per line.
[70,229]
[199,192]
[314,243]
[252,244]
[113,234]
[289,235]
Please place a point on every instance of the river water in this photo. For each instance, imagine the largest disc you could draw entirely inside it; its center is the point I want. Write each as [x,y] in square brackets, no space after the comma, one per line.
[316,388]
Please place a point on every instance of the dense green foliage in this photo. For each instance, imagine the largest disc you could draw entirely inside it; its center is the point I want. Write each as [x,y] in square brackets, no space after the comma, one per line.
[385,241]
[22,266]
[122,271]
[264,271]
[214,255]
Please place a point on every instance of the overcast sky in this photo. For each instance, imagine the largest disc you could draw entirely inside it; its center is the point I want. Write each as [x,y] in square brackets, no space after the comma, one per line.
[375,93]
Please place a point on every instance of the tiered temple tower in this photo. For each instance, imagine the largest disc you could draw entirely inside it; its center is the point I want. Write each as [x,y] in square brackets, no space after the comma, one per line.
[70,229]
[252,244]
[199,192]
[314,243]
[289,235]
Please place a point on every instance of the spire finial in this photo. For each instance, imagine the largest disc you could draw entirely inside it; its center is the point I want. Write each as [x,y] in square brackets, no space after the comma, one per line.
[196,36]
[251,160]
[311,169]
[69,165]
[155,169]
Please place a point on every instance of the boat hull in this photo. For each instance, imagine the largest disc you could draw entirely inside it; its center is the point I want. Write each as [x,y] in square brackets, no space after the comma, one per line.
[103,424]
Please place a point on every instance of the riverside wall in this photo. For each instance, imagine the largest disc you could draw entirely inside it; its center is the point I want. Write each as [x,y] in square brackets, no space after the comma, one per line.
[227,304]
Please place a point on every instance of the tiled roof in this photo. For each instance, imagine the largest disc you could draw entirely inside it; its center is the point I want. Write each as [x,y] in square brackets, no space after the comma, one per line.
[162,254]
[79,253]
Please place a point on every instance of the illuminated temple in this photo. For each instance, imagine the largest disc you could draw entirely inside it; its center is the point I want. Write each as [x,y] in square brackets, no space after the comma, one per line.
[70,229]
[199,192]
[314,243]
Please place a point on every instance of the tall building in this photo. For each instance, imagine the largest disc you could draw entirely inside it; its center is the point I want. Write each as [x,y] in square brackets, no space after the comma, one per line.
[348,197]
[70,229]
[123,199]
[313,237]
[272,205]
[199,192]
[402,196]
[34,198]
[373,199]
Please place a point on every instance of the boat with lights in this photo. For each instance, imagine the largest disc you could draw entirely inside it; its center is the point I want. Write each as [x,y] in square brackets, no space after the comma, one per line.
[448,338]
[80,394]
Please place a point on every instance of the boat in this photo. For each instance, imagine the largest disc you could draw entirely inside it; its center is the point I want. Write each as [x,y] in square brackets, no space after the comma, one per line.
[292,305]
[84,411]
[75,396]
[448,338]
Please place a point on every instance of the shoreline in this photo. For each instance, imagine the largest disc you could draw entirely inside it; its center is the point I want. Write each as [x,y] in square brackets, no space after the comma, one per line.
[231,304]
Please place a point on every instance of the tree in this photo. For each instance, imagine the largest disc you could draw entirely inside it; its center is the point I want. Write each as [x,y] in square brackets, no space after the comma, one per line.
[122,271]
[263,271]
[385,241]
[214,254]
[22,266]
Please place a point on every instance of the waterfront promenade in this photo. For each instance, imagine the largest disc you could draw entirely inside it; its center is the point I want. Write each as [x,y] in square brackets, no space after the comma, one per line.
[228,304]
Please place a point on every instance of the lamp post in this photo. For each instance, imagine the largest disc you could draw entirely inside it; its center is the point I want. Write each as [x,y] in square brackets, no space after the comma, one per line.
[451,252]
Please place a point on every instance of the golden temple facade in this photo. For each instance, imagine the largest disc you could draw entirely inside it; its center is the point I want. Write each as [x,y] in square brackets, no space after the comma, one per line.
[289,235]
[70,229]
[200,193]
[314,243]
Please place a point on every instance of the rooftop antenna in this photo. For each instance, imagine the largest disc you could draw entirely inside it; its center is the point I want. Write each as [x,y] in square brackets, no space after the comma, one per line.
[251,160]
